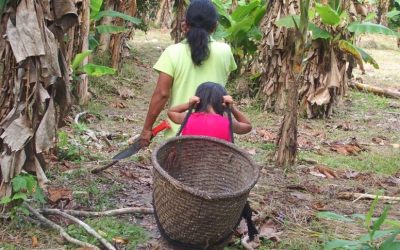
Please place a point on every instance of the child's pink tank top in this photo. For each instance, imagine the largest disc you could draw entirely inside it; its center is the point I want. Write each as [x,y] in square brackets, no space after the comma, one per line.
[206,124]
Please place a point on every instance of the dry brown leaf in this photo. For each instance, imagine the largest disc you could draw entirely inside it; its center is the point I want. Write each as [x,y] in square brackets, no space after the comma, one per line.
[318,174]
[319,206]
[267,135]
[344,126]
[250,245]
[125,93]
[241,229]
[35,242]
[347,149]
[380,140]
[119,240]
[329,173]
[351,174]
[251,151]
[46,132]
[118,105]
[269,230]
[55,194]
[302,196]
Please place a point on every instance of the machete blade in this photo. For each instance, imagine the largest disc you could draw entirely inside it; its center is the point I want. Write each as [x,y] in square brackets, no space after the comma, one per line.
[133,149]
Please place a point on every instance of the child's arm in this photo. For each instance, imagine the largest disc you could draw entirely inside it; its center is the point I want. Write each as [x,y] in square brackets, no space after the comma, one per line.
[241,125]
[177,113]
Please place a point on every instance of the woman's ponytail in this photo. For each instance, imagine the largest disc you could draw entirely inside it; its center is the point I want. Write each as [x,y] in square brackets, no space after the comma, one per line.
[198,42]
[201,18]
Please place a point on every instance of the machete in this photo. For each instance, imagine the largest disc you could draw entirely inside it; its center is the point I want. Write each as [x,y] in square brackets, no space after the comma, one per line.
[134,148]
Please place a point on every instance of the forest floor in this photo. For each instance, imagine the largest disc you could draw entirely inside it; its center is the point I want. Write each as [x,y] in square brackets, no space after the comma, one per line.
[357,150]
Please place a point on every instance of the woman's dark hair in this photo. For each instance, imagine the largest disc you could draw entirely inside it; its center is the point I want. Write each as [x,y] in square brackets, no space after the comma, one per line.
[210,94]
[201,16]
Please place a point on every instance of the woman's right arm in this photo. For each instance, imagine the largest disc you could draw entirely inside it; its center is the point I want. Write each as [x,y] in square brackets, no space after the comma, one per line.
[158,100]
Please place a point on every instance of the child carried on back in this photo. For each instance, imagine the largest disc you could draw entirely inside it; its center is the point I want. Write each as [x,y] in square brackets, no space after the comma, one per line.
[209,119]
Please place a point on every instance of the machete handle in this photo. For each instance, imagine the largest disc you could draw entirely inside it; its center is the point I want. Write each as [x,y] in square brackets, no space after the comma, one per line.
[160,127]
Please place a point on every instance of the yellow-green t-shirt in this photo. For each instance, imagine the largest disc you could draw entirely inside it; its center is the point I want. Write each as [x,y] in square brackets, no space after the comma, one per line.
[176,61]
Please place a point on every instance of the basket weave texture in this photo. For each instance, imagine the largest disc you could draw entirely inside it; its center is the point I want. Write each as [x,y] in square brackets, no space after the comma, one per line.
[200,186]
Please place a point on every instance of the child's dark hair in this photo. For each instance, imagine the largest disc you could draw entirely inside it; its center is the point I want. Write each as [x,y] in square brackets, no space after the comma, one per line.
[201,16]
[210,94]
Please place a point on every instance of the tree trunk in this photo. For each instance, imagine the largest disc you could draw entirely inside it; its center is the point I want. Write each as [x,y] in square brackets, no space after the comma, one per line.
[105,38]
[163,18]
[287,141]
[325,80]
[275,56]
[383,7]
[35,93]
[83,88]
[179,16]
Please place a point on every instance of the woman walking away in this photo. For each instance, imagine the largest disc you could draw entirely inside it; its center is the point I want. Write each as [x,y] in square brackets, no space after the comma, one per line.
[184,66]
[210,103]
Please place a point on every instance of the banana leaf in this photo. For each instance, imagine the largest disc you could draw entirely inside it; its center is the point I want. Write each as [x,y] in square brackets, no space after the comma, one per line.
[371,28]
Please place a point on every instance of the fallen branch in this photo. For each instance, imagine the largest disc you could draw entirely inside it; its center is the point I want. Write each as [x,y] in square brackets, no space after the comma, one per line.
[76,119]
[61,230]
[358,196]
[88,229]
[377,90]
[127,210]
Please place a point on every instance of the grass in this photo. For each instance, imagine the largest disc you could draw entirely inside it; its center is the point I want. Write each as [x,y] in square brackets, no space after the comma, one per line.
[383,162]
[111,229]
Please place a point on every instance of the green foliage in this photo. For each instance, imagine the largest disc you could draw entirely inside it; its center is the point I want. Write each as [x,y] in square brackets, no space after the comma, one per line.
[292,21]
[98,70]
[110,228]
[331,15]
[371,28]
[3,4]
[90,69]
[241,28]
[333,216]
[76,62]
[24,187]
[111,13]
[113,29]
[95,6]
[328,15]
[367,58]
[66,150]
[372,240]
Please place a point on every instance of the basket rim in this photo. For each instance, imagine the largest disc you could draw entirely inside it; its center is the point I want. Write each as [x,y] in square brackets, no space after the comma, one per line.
[200,193]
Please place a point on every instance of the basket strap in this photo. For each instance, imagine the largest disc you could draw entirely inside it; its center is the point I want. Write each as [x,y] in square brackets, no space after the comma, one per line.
[229,111]
[190,111]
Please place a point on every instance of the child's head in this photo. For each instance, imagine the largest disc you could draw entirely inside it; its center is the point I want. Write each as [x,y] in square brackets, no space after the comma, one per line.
[201,19]
[211,95]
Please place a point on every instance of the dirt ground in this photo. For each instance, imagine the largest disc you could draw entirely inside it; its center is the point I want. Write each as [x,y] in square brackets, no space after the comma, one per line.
[286,201]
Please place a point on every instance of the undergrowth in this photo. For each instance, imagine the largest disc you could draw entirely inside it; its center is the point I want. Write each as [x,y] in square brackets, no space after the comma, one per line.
[112,229]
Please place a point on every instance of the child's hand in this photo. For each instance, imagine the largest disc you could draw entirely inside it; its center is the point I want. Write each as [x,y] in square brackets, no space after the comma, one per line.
[227,100]
[193,101]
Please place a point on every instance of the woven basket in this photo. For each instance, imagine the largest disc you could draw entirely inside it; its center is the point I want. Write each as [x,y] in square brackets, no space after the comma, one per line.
[200,187]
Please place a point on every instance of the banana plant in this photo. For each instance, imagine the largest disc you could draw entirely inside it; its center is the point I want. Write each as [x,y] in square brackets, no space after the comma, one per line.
[96,14]
[90,68]
[334,18]
[241,28]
